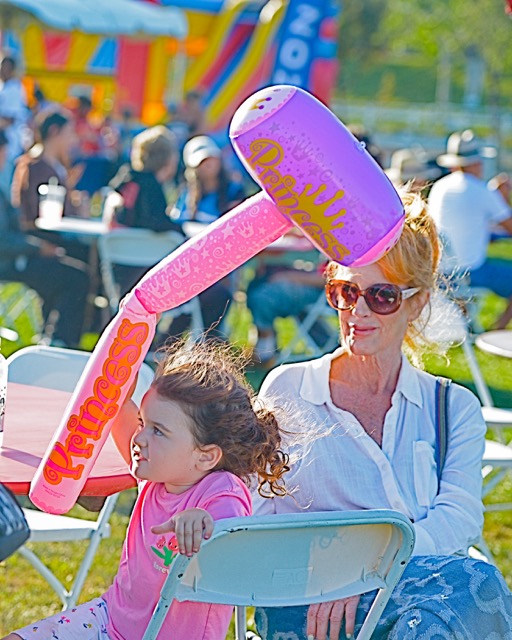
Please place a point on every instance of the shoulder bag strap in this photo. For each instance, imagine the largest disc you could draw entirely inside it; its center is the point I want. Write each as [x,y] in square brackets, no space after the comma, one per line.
[442,386]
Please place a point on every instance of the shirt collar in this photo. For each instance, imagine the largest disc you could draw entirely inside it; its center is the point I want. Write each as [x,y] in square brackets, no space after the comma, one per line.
[315,382]
[408,383]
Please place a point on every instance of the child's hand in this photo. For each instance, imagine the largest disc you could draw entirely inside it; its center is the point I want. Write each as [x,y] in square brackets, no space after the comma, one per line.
[190,527]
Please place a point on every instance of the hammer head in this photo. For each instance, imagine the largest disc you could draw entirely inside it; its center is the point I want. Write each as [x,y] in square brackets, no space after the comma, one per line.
[318,174]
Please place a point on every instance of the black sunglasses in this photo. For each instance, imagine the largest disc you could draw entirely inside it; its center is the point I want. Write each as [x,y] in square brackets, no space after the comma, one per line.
[383,299]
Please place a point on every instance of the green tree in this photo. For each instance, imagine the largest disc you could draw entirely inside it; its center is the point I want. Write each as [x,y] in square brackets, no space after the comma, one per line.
[359,27]
[358,42]
[445,30]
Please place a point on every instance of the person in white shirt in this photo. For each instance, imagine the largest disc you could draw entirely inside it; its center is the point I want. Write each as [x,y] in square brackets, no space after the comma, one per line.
[376,447]
[466,211]
[13,108]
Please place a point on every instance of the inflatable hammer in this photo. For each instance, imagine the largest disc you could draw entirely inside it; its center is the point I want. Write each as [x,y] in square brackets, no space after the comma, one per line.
[314,174]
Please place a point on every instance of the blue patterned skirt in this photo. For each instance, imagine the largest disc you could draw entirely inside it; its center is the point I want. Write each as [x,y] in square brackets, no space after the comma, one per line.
[437,597]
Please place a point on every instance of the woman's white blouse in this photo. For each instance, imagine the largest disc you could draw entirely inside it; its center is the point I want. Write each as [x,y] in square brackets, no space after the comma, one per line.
[342,467]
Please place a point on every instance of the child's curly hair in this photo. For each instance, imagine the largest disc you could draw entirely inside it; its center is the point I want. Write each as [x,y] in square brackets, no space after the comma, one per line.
[207,380]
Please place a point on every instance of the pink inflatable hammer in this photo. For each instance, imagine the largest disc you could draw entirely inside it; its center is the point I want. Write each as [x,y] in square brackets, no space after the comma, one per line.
[314,175]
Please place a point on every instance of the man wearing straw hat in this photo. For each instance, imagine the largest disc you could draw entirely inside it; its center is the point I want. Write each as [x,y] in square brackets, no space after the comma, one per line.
[465,211]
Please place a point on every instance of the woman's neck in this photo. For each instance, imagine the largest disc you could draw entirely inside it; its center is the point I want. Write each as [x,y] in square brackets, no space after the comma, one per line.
[376,374]
[50,155]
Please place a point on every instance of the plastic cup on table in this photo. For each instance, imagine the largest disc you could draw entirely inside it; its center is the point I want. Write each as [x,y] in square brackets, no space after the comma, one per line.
[51,202]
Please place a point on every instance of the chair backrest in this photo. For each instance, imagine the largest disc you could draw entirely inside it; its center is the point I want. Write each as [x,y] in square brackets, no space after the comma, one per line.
[132,248]
[137,247]
[292,559]
[450,323]
[57,368]
[319,310]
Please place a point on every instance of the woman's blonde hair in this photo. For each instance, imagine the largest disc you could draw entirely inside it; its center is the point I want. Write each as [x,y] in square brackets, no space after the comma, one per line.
[412,262]
[152,149]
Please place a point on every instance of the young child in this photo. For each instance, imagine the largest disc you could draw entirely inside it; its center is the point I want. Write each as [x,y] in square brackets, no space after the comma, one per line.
[197,441]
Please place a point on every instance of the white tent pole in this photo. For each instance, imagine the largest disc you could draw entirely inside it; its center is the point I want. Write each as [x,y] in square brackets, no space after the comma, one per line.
[177,75]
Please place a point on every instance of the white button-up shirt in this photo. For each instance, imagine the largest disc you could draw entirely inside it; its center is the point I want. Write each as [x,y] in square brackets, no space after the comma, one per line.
[342,467]
[465,211]
[13,104]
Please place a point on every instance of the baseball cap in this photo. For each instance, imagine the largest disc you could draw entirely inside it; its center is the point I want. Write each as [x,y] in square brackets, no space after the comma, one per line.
[198,149]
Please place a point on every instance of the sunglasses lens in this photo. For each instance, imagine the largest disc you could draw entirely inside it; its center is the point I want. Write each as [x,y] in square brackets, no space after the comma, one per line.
[384,298]
[342,295]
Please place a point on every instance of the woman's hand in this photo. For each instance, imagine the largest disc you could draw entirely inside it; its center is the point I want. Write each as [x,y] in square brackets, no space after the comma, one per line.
[190,527]
[332,613]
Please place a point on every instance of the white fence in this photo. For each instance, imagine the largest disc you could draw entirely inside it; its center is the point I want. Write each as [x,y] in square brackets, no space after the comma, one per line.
[429,125]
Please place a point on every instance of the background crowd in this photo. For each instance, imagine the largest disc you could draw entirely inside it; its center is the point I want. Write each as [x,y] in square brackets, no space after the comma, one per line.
[177,176]
[161,177]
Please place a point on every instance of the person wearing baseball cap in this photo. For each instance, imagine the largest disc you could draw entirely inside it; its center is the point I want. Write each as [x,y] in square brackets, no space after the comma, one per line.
[210,190]
[198,149]
[465,211]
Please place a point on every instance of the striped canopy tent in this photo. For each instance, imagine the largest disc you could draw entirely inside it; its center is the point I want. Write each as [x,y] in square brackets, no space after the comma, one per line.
[117,48]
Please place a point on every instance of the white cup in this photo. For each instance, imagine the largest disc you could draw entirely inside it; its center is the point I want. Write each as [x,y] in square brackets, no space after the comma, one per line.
[51,202]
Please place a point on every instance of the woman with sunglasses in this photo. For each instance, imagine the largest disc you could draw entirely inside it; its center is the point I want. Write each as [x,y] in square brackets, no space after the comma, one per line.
[376,411]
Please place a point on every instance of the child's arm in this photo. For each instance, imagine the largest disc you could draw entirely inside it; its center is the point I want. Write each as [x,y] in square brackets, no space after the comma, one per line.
[190,527]
[125,424]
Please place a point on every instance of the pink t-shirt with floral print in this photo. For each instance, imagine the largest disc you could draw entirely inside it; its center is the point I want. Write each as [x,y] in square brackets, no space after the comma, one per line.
[146,557]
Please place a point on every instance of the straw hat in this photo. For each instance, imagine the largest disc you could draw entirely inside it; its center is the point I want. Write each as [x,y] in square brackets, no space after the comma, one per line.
[407,164]
[462,150]
[198,149]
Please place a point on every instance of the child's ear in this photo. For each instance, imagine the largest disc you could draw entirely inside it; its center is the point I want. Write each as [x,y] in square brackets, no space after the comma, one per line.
[209,457]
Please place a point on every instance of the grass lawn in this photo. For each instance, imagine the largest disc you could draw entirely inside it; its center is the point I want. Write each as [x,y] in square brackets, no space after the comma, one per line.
[25,597]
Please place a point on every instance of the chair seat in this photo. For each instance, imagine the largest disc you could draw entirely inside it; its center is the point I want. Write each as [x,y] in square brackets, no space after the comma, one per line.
[47,527]
[495,417]
[497,454]
[498,343]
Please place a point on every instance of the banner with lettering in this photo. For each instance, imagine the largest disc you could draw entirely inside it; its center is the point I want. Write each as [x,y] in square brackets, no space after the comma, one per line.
[296,46]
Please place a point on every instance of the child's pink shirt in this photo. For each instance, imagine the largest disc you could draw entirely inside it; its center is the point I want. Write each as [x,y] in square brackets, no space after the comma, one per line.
[146,557]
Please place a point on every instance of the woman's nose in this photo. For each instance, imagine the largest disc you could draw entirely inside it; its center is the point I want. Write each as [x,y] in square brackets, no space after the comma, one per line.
[361,308]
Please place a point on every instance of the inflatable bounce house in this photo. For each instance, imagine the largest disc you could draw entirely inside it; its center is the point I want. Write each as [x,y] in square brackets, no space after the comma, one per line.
[224,49]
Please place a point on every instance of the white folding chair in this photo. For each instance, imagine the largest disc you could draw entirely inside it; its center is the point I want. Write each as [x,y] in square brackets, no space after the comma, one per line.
[292,559]
[497,343]
[497,458]
[142,248]
[319,311]
[8,334]
[56,368]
